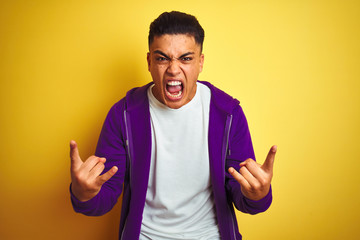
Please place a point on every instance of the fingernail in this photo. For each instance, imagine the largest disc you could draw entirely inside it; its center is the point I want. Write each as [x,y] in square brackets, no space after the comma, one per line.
[274,149]
[72,143]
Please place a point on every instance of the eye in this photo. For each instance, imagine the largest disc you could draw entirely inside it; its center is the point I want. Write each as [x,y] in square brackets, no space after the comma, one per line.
[186,59]
[161,59]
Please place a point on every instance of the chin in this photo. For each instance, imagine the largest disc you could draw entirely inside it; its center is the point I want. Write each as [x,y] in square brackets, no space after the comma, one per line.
[177,104]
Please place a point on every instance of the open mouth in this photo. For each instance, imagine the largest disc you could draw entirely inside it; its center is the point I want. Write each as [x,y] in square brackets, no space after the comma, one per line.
[174,90]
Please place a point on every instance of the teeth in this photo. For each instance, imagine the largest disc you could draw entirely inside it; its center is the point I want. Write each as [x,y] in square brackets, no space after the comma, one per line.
[175,95]
[174,83]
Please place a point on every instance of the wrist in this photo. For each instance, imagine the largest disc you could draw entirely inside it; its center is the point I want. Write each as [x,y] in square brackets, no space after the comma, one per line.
[80,194]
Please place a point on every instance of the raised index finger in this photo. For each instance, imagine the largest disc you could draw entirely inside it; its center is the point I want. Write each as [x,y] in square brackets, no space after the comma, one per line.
[269,161]
[74,155]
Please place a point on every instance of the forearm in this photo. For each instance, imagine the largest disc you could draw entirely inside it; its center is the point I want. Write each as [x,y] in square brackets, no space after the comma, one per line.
[102,203]
[244,204]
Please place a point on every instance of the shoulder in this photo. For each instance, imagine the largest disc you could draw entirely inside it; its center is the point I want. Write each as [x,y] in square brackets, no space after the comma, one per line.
[137,97]
[221,99]
[134,97]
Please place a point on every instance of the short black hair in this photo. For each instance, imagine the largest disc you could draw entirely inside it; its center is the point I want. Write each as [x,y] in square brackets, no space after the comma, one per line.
[176,23]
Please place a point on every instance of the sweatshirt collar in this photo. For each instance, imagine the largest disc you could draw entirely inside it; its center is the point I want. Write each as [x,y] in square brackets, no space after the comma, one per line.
[137,97]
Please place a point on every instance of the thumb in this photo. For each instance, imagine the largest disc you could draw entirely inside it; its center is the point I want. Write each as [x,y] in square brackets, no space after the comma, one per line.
[269,161]
[74,155]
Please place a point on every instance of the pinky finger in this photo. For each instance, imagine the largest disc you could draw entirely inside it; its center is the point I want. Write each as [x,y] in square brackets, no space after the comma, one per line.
[239,178]
[106,176]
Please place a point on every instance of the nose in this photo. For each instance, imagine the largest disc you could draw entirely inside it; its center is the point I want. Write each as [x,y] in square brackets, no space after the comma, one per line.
[174,67]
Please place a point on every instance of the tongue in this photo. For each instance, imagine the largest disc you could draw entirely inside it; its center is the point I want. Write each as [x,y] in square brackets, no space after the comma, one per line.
[173,89]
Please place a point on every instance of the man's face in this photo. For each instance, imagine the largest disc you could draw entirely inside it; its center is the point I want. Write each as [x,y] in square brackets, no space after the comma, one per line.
[174,62]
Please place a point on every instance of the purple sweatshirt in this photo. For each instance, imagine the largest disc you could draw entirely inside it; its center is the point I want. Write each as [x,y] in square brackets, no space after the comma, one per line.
[125,141]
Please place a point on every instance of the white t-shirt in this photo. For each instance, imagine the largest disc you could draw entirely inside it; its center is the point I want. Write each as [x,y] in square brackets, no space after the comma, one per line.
[179,199]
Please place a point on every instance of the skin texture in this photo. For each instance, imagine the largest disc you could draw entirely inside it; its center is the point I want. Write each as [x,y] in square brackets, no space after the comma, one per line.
[255,179]
[175,57]
[86,180]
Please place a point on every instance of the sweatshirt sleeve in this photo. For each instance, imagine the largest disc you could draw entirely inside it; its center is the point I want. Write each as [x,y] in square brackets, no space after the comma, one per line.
[240,149]
[110,146]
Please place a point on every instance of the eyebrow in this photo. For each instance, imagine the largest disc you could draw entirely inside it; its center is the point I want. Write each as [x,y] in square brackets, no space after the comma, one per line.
[163,54]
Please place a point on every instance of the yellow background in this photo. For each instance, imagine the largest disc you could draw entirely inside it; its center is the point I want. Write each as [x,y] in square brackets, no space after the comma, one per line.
[294,65]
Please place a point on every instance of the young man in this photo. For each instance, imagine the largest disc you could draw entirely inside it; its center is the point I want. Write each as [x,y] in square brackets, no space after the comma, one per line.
[173,146]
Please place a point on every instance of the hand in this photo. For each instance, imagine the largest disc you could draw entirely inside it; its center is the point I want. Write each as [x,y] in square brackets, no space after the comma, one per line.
[255,179]
[85,176]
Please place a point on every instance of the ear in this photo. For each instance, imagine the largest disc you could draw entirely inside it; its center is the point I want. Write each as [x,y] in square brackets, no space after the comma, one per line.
[201,62]
[148,61]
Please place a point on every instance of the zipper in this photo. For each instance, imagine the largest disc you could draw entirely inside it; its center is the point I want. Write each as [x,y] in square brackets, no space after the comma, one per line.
[128,143]
[225,150]
[226,140]
[129,156]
